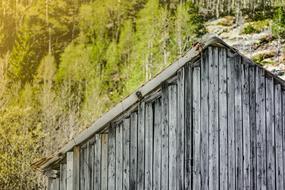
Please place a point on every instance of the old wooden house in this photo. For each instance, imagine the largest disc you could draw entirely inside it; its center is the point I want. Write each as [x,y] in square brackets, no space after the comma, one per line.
[212,120]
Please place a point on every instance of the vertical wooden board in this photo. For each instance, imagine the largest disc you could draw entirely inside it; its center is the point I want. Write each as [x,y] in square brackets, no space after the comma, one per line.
[148,145]
[205,120]
[119,156]
[246,127]
[97,162]
[252,121]
[238,124]
[196,129]
[86,168]
[126,154]
[213,119]
[223,120]
[62,177]
[164,138]
[92,164]
[157,146]
[231,121]
[69,170]
[260,130]
[81,165]
[112,158]
[270,133]
[172,135]
[56,184]
[181,128]
[283,128]
[141,149]
[278,137]
[134,150]
[76,167]
[104,161]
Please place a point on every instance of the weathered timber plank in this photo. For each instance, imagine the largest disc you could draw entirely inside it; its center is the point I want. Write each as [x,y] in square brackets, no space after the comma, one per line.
[213,119]
[92,163]
[283,128]
[126,154]
[164,137]
[278,137]
[62,178]
[181,128]
[270,133]
[246,127]
[196,129]
[205,120]
[69,170]
[97,162]
[76,165]
[231,121]
[157,146]
[172,135]
[134,150]
[81,165]
[238,125]
[112,158]
[260,130]
[148,145]
[119,156]
[141,150]
[86,168]
[104,162]
[252,121]
[223,120]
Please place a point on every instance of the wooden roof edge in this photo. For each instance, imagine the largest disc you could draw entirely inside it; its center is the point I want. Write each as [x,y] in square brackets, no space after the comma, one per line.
[133,98]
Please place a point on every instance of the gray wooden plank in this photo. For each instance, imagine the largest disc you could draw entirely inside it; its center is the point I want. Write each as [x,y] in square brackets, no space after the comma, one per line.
[97,162]
[104,162]
[86,168]
[231,121]
[246,127]
[283,128]
[126,154]
[92,163]
[172,135]
[270,133]
[112,158]
[223,120]
[82,168]
[157,145]
[205,120]
[188,128]
[62,178]
[278,138]
[119,156]
[181,128]
[238,125]
[260,130]
[69,170]
[164,138]
[148,145]
[76,171]
[134,150]
[252,121]
[141,128]
[213,119]
[196,129]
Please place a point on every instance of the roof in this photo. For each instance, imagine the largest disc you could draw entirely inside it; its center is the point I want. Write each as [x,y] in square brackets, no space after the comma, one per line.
[133,98]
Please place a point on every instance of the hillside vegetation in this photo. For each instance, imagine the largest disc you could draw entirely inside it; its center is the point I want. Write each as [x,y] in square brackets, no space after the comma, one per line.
[65,62]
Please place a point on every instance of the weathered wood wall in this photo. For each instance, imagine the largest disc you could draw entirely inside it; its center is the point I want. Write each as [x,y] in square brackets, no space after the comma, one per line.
[218,124]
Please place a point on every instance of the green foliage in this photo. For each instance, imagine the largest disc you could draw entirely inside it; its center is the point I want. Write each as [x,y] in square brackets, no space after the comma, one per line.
[279,22]
[255,27]
[20,145]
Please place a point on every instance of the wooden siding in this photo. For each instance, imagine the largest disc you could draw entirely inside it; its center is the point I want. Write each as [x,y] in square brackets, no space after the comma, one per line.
[218,124]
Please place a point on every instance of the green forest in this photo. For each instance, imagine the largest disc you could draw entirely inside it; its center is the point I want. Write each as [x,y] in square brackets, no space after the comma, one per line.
[65,62]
